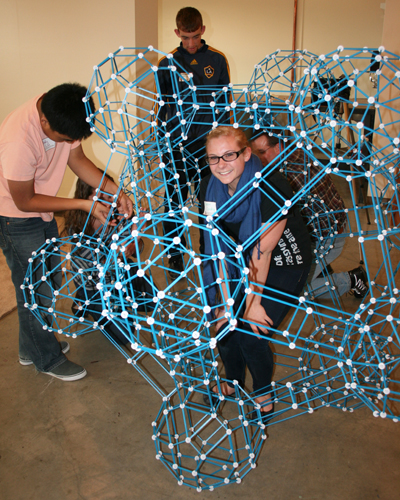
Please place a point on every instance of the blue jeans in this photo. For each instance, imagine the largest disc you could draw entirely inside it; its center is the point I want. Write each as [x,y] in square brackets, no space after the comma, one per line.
[241,347]
[19,237]
[341,281]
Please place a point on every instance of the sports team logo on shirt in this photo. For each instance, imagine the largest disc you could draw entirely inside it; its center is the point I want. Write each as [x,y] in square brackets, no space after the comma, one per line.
[209,71]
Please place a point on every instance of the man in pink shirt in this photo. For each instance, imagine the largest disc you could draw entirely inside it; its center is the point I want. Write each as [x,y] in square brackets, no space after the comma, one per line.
[37,141]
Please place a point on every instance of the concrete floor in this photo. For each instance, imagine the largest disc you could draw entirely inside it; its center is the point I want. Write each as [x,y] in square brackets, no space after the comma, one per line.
[92,439]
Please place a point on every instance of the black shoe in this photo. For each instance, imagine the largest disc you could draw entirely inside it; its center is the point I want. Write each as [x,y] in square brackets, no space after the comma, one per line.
[266,416]
[175,268]
[359,282]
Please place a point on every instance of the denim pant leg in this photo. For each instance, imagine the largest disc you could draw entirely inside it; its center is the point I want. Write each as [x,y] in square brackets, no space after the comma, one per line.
[341,280]
[19,237]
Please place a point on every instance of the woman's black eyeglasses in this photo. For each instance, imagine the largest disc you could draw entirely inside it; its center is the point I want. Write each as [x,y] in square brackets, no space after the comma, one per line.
[230,156]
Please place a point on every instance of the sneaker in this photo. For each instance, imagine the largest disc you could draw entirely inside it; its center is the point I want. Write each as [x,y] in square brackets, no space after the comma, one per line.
[64,348]
[68,371]
[359,282]
[175,268]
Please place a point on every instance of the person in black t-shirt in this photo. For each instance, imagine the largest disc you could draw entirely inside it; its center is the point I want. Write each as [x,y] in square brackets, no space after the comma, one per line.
[208,70]
[255,213]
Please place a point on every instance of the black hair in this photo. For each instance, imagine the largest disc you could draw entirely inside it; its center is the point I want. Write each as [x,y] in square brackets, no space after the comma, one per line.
[189,20]
[273,139]
[65,111]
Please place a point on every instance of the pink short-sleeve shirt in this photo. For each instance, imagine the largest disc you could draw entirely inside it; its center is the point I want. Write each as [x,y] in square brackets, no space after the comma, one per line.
[27,153]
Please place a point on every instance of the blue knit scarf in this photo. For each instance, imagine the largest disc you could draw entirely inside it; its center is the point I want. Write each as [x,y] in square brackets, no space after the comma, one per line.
[247,212]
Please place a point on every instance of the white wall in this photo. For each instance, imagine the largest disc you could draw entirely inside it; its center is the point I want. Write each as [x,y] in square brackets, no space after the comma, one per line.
[247,31]
[391,41]
[48,42]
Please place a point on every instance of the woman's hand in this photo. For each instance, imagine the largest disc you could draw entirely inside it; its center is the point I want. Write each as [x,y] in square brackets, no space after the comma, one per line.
[221,319]
[259,268]
[258,318]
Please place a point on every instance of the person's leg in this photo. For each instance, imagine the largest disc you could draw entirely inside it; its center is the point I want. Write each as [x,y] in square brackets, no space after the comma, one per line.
[175,196]
[256,351]
[342,281]
[232,357]
[18,239]
[197,173]
[197,166]
[176,191]
[325,255]
[283,282]
[258,357]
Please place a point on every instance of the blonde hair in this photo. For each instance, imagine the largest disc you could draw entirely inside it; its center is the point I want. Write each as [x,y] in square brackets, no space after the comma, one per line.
[236,133]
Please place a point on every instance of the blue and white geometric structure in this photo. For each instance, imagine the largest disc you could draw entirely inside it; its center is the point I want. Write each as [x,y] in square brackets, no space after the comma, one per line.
[327,355]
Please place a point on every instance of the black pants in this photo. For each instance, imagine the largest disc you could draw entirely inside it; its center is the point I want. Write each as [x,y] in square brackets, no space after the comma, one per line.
[143,293]
[242,348]
[176,190]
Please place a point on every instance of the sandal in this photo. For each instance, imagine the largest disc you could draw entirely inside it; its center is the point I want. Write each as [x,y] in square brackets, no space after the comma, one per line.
[266,416]
[214,395]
